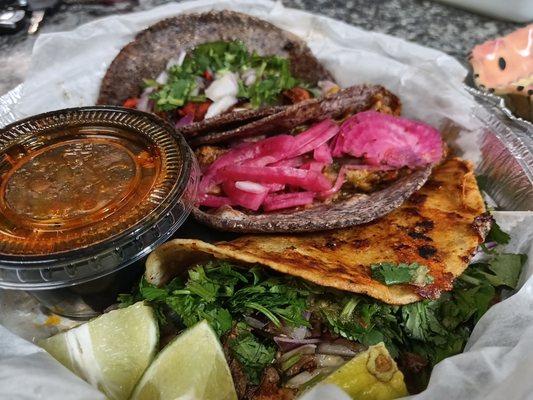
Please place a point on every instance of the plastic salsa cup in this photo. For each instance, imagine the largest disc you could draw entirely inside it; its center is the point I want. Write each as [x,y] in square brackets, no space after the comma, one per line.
[85,192]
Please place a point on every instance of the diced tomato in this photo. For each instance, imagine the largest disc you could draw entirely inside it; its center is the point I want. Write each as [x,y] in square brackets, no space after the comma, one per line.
[197,110]
[297,94]
[131,102]
[208,75]
[201,110]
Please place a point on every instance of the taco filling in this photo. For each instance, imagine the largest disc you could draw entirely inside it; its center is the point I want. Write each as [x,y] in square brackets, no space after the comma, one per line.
[328,162]
[219,77]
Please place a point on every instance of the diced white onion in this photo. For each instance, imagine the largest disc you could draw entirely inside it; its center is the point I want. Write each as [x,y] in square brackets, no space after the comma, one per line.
[305,349]
[220,106]
[177,60]
[249,76]
[162,78]
[222,87]
[328,87]
[144,101]
[327,360]
[335,349]
[303,377]
[298,333]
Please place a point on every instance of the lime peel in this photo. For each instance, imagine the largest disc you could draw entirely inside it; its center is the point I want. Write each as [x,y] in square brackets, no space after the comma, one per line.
[110,352]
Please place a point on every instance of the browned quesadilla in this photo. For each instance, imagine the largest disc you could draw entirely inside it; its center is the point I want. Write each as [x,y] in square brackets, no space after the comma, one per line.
[291,309]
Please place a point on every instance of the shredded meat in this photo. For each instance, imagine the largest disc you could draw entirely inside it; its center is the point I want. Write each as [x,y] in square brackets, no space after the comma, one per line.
[206,155]
[361,179]
[237,371]
[271,329]
[297,94]
[387,104]
[413,362]
[269,388]
[239,378]
[316,325]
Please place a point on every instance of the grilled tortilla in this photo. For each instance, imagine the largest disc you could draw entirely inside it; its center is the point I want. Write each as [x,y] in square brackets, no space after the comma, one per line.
[147,55]
[440,226]
[357,209]
[348,101]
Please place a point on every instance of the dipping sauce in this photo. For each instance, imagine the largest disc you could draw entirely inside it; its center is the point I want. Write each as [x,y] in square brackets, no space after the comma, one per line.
[85,194]
[70,180]
[76,186]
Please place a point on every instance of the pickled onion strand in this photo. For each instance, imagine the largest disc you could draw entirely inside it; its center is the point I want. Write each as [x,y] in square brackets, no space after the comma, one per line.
[287,200]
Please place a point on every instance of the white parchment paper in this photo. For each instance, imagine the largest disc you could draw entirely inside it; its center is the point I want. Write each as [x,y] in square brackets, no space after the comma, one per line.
[66,71]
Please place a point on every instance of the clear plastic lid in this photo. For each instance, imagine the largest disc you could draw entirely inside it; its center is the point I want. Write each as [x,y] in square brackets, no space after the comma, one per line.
[86,191]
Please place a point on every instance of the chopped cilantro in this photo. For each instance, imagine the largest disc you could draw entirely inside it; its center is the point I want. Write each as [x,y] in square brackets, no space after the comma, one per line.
[503,269]
[394,274]
[497,235]
[253,355]
[272,73]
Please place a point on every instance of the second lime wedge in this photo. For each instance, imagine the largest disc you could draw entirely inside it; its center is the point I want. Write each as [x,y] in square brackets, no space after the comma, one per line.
[192,366]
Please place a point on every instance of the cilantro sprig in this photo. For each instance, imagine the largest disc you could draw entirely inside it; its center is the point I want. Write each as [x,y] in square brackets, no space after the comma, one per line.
[394,274]
[221,293]
[253,354]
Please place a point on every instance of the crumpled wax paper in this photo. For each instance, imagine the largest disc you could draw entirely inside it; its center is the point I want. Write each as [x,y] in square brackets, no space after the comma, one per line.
[66,71]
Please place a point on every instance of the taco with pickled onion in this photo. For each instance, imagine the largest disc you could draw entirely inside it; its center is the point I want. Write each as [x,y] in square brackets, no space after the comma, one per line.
[335,162]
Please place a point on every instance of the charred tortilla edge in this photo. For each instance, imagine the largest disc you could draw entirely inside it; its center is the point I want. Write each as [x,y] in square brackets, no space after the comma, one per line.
[359,209]
[166,262]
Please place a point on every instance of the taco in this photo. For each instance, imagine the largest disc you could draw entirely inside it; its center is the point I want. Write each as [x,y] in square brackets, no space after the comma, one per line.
[292,309]
[213,69]
[340,161]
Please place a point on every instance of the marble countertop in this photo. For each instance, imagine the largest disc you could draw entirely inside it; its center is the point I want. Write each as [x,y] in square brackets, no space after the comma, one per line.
[429,23]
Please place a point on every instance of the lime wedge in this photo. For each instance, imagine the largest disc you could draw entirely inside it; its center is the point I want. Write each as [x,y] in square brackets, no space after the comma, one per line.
[110,352]
[191,367]
[370,375]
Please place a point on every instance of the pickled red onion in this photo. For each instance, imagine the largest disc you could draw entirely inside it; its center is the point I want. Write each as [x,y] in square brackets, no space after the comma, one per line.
[215,201]
[185,120]
[306,179]
[257,174]
[289,162]
[314,137]
[314,166]
[323,154]
[287,200]
[383,139]
[275,147]
[251,201]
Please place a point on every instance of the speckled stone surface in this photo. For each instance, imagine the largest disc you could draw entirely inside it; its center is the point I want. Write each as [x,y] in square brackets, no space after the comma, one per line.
[423,21]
